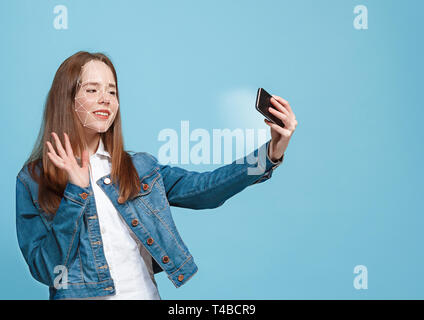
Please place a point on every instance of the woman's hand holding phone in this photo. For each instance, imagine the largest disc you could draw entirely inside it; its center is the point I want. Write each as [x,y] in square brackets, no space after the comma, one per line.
[283,121]
[66,160]
[280,137]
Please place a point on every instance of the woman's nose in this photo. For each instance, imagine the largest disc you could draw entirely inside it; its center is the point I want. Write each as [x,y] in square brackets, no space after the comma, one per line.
[105,97]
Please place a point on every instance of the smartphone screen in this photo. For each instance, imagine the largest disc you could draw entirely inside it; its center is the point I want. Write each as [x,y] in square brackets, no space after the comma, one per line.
[263,102]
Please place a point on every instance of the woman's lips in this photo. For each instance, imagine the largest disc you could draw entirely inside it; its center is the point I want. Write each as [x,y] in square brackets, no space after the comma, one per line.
[100,116]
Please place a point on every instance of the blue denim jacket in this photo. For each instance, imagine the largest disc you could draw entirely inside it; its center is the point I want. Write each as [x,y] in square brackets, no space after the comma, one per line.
[72,239]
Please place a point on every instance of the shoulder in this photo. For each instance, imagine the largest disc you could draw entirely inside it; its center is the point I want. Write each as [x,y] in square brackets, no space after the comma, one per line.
[143,156]
[26,173]
[144,162]
[26,183]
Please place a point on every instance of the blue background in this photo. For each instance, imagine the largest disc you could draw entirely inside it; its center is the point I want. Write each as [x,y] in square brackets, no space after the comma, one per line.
[350,189]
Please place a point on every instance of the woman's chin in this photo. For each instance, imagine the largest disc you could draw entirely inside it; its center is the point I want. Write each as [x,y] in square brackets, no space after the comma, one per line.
[95,129]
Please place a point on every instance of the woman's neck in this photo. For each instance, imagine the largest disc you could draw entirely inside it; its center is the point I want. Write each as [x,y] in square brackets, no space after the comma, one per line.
[92,142]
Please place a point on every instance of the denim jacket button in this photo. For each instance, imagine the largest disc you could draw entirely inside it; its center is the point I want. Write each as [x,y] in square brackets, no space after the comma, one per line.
[134,223]
[180,277]
[84,195]
[145,186]
[165,259]
[150,241]
[106,181]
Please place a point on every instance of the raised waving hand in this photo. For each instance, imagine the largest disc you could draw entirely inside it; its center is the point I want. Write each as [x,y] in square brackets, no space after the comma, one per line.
[66,160]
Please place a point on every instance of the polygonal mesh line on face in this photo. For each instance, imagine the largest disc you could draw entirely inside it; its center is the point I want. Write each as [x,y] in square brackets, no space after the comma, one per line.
[84,99]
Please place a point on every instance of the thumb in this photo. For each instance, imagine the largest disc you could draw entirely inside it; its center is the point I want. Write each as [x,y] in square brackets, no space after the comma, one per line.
[84,159]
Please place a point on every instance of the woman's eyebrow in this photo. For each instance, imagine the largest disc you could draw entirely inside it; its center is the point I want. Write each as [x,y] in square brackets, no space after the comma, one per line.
[97,83]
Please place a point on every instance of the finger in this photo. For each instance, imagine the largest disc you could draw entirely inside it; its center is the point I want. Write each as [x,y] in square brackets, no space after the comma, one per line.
[51,149]
[284,102]
[288,121]
[274,126]
[84,159]
[277,128]
[69,148]
[279,115]
[59,147]
[280,107]
[58,162]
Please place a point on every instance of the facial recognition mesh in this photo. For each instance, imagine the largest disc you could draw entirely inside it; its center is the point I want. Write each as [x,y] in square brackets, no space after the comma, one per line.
[96,102]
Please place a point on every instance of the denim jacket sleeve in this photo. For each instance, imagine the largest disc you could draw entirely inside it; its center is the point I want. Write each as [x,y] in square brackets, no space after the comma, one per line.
[191,189]
[47,243]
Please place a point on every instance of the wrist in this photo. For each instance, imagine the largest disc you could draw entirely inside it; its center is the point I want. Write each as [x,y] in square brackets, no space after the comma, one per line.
[274,154]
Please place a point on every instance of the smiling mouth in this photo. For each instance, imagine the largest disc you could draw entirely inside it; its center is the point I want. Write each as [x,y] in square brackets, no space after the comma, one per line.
[102,114]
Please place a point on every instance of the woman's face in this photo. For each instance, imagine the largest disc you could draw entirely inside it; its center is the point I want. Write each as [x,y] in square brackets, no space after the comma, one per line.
[96,103]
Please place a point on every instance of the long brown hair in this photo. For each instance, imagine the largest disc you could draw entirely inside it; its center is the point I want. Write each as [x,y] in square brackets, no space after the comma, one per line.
[59,116]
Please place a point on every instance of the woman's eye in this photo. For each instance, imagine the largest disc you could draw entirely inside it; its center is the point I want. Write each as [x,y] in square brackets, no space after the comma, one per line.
[112,92]
[91,90]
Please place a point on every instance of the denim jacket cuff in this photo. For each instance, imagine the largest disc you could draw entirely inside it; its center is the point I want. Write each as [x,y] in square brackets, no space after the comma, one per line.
[265,163]
[77,194]
[271,164]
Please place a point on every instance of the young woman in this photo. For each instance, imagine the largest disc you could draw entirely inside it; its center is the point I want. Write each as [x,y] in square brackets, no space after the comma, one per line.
[94,221]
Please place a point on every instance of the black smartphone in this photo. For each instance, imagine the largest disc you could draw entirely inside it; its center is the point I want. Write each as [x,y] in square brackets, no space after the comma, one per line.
[263,102]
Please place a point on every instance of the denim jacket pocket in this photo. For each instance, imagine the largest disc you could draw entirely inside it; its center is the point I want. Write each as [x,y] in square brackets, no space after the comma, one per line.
[152,193]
